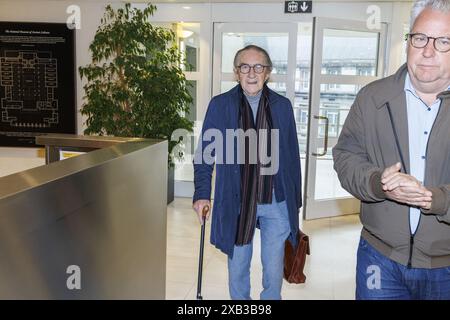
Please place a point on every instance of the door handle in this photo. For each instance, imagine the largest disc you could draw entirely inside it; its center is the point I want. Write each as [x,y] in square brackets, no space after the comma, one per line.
[325,142]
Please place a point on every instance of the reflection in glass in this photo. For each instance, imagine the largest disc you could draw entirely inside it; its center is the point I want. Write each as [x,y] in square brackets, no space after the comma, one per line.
[335,103]
[188,40]
[227,85]
[278,87]
[189,43]
[192,88]
[350,52]
[327,182]
[302,86]
[276,45]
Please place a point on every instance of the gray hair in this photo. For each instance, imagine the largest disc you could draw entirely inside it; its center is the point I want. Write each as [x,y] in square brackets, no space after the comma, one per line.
[420,5]
[256,48]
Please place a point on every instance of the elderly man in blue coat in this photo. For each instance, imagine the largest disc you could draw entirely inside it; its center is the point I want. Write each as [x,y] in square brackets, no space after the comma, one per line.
[249,134]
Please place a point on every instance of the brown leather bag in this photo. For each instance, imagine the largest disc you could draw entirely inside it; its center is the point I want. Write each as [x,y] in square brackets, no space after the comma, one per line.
[295,258]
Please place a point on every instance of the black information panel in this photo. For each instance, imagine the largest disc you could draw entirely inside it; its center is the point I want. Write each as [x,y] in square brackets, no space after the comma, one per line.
[37,81]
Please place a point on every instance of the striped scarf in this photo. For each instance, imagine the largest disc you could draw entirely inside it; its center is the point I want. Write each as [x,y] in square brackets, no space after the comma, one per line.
[255,188]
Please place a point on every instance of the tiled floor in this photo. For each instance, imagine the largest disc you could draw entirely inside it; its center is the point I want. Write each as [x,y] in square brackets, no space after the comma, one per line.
[330,269]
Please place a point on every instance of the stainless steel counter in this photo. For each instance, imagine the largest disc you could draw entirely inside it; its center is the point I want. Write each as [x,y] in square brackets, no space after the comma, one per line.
[102,213]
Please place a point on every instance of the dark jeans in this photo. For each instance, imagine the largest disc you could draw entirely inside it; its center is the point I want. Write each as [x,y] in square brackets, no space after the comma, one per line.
[378,277]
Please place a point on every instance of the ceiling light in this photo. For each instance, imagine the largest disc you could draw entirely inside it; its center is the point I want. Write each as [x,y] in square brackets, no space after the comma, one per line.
[185,33]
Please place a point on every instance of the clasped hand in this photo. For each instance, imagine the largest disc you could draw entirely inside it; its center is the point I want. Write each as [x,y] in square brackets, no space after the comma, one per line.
[404,188]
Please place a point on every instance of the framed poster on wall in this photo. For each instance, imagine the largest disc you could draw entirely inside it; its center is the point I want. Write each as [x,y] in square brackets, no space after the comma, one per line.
[37,81]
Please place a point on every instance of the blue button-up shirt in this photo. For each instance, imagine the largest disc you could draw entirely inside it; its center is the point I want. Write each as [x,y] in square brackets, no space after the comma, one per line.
[420,121]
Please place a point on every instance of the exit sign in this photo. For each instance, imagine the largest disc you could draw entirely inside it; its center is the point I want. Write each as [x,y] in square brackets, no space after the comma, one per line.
[297,6]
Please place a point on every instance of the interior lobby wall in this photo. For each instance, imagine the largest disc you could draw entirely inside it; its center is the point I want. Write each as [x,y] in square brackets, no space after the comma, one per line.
[17,159]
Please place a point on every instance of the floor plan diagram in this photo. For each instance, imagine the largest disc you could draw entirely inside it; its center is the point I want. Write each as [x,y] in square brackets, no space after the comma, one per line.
[29,80]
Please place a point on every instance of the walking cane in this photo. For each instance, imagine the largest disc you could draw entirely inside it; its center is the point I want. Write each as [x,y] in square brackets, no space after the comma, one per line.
[200,260]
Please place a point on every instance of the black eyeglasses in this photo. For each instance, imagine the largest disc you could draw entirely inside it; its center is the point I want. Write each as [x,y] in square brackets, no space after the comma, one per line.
[245,68]
[420,40]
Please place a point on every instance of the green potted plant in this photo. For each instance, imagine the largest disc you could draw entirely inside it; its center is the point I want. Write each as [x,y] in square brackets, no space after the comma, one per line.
[135,86]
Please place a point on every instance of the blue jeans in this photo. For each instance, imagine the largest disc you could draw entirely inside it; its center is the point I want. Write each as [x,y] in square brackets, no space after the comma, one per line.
[274,227]
[378,277]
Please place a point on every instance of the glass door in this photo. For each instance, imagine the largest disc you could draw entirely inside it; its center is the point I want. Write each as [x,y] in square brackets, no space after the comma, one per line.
[280,41]
[346,56]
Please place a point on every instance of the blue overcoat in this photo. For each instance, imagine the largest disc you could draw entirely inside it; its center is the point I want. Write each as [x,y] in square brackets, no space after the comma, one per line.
[222,114]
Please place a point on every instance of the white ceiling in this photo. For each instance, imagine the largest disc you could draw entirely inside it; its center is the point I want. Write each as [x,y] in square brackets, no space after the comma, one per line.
[252,1]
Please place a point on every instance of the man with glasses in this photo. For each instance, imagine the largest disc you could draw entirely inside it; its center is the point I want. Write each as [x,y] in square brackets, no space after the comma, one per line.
[394,155]
[246,194]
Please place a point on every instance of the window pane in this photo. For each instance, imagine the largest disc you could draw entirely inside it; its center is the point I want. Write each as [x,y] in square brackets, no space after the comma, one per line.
[302,78]
[189,44]
[278,87]
[192,88]
[227,85]
[335,104]
[350,52]
[301,119]
[276,45]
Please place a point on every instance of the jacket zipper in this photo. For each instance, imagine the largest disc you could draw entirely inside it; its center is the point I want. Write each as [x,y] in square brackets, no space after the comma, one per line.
[412,235]
[411,245]
[411,239]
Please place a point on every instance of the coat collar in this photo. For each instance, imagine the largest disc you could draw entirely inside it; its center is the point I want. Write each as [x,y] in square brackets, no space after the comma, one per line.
[234,104]
[273,96]
[392,93]
[444,95]
[392,88]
